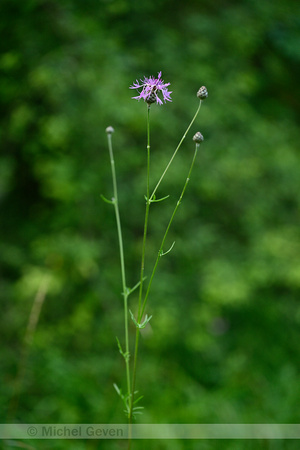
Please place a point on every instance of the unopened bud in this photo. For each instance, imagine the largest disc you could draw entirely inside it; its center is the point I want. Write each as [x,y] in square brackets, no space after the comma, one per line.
[198,138]
[202,93]
[109,130]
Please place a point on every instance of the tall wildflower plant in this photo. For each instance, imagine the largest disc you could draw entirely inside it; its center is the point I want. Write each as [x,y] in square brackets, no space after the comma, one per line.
[151,90]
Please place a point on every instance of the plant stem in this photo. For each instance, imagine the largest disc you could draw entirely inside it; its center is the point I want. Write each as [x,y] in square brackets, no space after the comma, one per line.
[142,264]
[160,252]
[175,152]
[141,308]
[146,212]
[120,239]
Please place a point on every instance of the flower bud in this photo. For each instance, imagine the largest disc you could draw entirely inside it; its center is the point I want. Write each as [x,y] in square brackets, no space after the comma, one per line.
[198,138]
[109,130]
[202,93]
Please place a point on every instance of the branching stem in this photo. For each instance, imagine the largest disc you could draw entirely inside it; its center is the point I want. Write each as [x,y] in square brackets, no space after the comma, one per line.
[176,150]
[149,200]
[160,251]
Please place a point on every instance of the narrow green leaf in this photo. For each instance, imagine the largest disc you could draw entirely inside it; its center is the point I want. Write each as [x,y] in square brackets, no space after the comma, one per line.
[125,355]
[118,390]
[168,251]
[159,199]
[140,325]
[111,202]
[138,399]
[133,319]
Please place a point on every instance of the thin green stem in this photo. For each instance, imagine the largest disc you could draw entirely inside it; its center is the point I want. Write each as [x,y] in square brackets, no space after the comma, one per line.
[115,202]
[146,211]
[160,252]
[142,264]
[175,152]
[136,350]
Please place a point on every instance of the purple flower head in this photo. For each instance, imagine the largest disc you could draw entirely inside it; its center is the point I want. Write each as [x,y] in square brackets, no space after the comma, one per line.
[150,89]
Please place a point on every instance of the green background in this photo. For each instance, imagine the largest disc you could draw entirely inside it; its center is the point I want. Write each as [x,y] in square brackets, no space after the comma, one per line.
[223,345]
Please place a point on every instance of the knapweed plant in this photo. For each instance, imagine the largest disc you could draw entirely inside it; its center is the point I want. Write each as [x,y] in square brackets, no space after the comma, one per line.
[151,90]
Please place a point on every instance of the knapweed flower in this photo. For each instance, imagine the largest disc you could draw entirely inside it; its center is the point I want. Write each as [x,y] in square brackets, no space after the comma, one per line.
[151,87]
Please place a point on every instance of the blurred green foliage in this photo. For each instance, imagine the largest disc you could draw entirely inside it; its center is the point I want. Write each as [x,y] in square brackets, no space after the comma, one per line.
[223,346]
